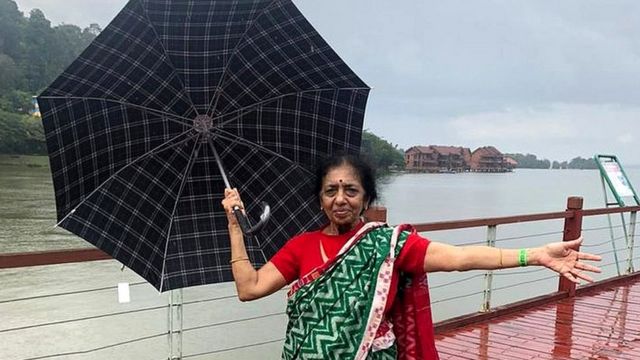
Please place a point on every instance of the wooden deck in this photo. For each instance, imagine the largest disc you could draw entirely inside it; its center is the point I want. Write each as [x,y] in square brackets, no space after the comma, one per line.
[600,322]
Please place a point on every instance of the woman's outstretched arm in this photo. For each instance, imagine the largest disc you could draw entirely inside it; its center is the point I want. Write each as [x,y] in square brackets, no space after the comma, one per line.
[560,257]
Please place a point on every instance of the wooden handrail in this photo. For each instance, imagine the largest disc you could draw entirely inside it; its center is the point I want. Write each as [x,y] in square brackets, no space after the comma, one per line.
[469,223]
[16,260]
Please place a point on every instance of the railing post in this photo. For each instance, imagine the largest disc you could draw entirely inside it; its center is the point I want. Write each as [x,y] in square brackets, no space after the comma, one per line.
[488,276]
[175,324]
[572,230]
[631,240]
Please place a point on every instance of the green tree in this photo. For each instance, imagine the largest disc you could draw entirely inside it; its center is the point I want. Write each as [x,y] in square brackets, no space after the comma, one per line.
[71,41]
[21,134]
[530,161]
[16,101]
[10,75]
[32,55]
[381,153]
[39,48]
[12,24]
[580,163]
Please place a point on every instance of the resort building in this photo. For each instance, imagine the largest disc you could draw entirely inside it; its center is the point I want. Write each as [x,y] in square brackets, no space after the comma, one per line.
[490,159]
[436,158]
[420,158]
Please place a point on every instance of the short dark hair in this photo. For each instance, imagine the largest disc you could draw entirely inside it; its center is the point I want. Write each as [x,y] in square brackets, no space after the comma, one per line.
[364,171]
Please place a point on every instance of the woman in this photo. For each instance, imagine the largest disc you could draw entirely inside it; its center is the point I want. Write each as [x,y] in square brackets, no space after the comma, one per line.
[347,270]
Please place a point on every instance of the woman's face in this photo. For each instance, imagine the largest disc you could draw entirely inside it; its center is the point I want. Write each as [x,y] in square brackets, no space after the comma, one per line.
[342,196]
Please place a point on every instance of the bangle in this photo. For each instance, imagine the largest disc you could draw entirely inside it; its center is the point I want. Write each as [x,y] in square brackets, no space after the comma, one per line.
[243,258]
[501,265]
[522,257]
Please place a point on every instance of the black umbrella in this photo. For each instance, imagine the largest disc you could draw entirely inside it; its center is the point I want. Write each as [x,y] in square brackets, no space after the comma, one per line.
[134,126]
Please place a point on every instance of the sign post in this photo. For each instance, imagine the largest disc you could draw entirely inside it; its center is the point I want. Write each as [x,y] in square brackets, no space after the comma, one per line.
[615,179]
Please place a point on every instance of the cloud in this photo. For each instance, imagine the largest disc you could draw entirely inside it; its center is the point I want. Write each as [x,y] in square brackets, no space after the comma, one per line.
[518,124]
[556,131]
[625,139]
[77,12]
[556,78]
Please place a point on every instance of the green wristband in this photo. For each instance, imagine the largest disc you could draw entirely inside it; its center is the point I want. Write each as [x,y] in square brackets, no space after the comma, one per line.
[522,257]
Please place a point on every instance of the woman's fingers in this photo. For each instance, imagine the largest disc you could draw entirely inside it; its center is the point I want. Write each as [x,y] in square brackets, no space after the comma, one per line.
[573,244]
[587,256]
[570,277]
[587,267]
[581,275]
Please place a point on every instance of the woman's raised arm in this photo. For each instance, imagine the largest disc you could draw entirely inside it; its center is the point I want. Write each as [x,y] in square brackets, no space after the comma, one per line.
[251,284]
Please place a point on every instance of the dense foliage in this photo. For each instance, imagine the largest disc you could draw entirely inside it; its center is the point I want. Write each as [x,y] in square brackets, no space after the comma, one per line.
[32,53]
[21,134]
[530,161]
[576,163]
[381,154]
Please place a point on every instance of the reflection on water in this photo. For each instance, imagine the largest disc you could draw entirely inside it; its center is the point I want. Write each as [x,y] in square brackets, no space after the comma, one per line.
[27,210]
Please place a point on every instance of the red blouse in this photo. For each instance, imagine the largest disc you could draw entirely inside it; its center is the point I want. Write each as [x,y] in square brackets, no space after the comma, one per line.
[302,254]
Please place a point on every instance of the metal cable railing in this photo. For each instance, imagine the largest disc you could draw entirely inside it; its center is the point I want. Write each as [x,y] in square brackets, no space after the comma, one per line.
[506,239]
[85,318]
[76,292]
[233,348]
[89,351]
[216,324]
[233,321]
[457,297]
[455,282]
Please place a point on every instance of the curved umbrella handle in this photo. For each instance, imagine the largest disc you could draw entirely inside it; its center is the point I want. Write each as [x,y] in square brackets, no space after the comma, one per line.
[243,220]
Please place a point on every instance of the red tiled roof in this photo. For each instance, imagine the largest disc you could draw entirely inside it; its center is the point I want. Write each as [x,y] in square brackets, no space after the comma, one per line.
[488,151]
[420,149]
[448,150]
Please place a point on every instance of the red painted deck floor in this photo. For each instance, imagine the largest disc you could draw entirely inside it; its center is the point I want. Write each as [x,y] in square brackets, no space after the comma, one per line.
[600,323]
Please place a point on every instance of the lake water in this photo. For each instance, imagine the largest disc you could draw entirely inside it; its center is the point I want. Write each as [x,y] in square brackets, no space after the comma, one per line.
[27,219]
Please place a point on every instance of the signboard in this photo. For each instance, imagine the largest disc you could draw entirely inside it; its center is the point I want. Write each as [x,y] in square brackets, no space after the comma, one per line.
[616,178]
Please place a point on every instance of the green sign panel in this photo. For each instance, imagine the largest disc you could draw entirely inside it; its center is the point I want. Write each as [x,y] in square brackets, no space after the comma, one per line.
[615,177]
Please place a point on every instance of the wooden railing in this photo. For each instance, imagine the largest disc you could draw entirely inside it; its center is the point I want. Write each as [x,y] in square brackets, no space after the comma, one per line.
[572,216]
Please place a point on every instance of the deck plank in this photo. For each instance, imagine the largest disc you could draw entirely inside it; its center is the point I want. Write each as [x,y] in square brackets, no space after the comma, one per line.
[602,323]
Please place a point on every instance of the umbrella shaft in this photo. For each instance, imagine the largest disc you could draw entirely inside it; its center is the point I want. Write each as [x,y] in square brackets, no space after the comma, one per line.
[219,162]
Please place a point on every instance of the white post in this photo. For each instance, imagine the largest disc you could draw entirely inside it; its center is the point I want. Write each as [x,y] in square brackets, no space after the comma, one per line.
[631,240]
[175,325]
[488,276]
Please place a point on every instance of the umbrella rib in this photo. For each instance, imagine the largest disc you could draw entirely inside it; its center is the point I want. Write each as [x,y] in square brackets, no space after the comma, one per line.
[195,150]
[168,59]
[171,117]
[216,96]
[157,148]
[280,97]
[238,139]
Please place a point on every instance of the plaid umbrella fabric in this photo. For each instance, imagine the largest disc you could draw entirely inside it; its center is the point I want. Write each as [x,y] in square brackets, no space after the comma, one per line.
[132,125]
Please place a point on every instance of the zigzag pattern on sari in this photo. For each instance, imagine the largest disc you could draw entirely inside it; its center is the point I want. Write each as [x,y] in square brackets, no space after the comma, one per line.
[331,309]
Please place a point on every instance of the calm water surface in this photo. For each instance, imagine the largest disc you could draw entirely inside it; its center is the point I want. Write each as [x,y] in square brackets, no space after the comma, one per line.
[27,219]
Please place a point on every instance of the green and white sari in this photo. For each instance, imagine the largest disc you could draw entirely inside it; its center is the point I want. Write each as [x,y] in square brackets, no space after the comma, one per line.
[337,310]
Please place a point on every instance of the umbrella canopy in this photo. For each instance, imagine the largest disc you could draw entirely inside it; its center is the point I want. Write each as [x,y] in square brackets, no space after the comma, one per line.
[133,125]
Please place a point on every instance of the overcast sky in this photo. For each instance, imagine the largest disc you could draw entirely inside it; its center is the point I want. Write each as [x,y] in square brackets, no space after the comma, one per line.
[558,79]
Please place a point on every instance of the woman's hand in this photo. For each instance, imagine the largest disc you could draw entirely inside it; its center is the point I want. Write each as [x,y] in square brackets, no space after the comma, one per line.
[231,200]
[562,258]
